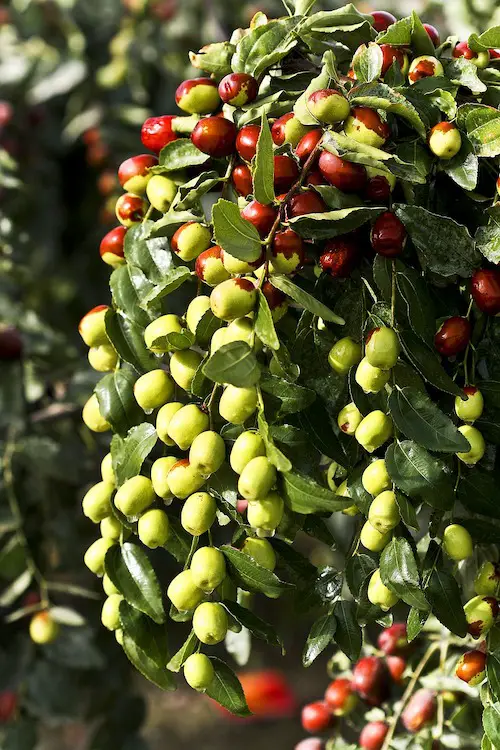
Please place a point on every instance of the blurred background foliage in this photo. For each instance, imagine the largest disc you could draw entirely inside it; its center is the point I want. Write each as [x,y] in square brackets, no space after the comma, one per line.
[77,79]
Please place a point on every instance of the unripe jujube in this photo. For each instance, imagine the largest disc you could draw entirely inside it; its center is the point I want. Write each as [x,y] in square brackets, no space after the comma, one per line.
[161,191]
[208,568]
[248,445]
[198,513]
[374,431]
[207,452]
[110,615]
[107,473]
[92,327]
[257,478]
[186,424]
[159,476]
[183,479]
[373,539]
[379,594]
[375,478]
[190,240]
[153,389]
[382,348]
[371,379]
[134,496]
[111,528]
[457,542]
[328,106]
[236,405]
[384,512]
[197,96]
[198,671]
[92,416]
[210,268]
[97,502]
[476,442]
[163,419]
[349,418]
[153,528]
[183,592]
[43,628]
[445,140]
[261,552]
[366,126]
[265,514]
[94,556]
[196,310]
[103,358]
[159,328]
[343,355]
[183,366]
[481,613]
[487,581]
[233,298]
[470,410]
[210,623]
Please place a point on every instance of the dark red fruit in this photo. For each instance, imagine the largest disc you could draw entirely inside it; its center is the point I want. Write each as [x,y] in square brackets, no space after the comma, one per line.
[261,216]
[453,336]
[307,202]
[242,180]
[382,19]
[344,175]
[288,243]
[377,189]
[215,136]
[278,129]
[393,641]
[238,89]
[370,679]
[157,132]
[316,717]
[246,141]
[373,735]
[396,666]
[8,705]
[340,256]
[307,144]
[471,666]
[462,49]
[486,290]
[11,344]
[112,242]
[286,172]
[315,178]
[135,166]
[420,710]
[388,235]
[433,33]
[339,695]
[274,296]
[390,54]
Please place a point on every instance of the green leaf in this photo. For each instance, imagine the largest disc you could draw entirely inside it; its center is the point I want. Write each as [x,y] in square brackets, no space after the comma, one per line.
[276,457]
[180,154]
[214,58]
[415,471]
[493,674]
[398,33]
[415,623]
[359,567]
[190,193]
[491,723]
[233,363]
[348,634]
[482,532]
[293,397]
[490,38]
[263,168]
[117,404]
[152,256]
[264,46]
[226,689]
[381,96]
[306,300]
[368,63]
[175,341]
[145,644]
[444,246]
[259,628]
[233,233]
[264,325]
[172,220]
[443,593]
[303,495]
[170,282]
[407,511]
[399,572]
[464,73]
[418,304]
[133,575]
[421,42]
[424,359]
[478,492]
[179,541]
[127,338]
[333,223]
[128,453]
[126,297]
[189,647]
[464,167]
[320,636]
[488,236]
[320,433]
[250,575]
[418,417]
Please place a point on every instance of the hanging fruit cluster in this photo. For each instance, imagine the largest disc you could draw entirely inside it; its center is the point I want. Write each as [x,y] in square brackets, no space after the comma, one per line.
[304,279]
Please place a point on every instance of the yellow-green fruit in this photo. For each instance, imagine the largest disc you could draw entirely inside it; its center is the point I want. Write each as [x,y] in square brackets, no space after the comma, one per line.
[241,329]
[208,567]
[247,446]
[343,355]
[349,419]
[153,528]
[110,615]
[161,192]
[94,556]
[111,528]
[457,542]
[261,552]
[192,240]
[234,298]
[159,476]
[198,672]
[108,586]
[373,539]
[160,327]
[477,445]
[382,348]
[198,96]
[183,592]
[183,366]
[355,128]
[186,424]
[183,480]
[376,172]
[43,628]
[92,416]
[107,473]
[379,594]
[103,358]
[371,379]
[92,327]
[198,513]
[135,495]
[481,613]
[163,419]
[470,410]
[257,478]
[487,581]
[374,431]
[153,389]
[234,265]
[218,340]
[266,513]
[210,623]
[97,502]
[384,512]
[236,405]
[330,476]
[207,452]
[196,310]
[445,140]
[343,491]
[375,478]
[119,636]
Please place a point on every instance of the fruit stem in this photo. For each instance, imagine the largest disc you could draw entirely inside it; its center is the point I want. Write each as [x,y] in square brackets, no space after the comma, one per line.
[393,295]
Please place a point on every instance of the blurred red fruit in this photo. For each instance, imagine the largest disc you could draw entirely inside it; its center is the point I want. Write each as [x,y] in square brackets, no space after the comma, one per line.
[370,679]
[420,710]
[396,666]
[486,290]
[373,735]
[11,343]
[393,641]
[316,717]
[433,33]
[8,705]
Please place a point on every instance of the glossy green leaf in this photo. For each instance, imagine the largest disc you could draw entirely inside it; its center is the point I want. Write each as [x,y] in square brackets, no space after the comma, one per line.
[264,325]
[180,154]
[258,627]
[443,593]
[133,575]
[303,495]
[233,233]
[189,647]
[415,471]
[250,575]
[348,634]
[117,404]
[145,644]
[307,301]
[233,363]
[226,689]
[128,453]
[320,636]
[424,359]
[333,223]
[263,168]
[399,572]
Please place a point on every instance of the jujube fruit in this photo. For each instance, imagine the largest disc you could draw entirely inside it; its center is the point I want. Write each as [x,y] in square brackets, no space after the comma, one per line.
[307,144]
[190,240]
[111,528]
[160,192]
[198,513]
[246,141]
[445,140]
[257,478]
[457,542]
[479,59]
[306,202]
[241,178]
[340,256]
[237,89]
[343,355]
[153,528]
[392,54]
[481,613]
[366,126]
[453,336]
[183,592]
[265,514]
[94,556]
[103,358]
[97,502]
[393,641]
[287,251]
[374,431]
[286,172]
[261,552]
[133,173]
[159,476]
[487,580]
[196,309]
[198,96]
[130,209]
[340,697]
[382,348]
[43,628]
[372,539]
[210,623]
[92,416]
[163,419]
[288,129]
[328,106]
[159,328]
[485,288]
[373,735]
[183,479]
[472,408]
[247,446]
[156,132]
[183,367]
[153,389]
[207,452]
[342,174]
[107,472]
[382,19]
[92,326]
[186,424]
[208,568]
[384,513]
[110,615]
[397,667]
[210,268]
[379,595]
[471,667]
[388,235]
[476,442]
[371,379]
[424,66]
[316,717]
[370,679]
[375,478]
[236,405]
[433,34]
[134,496]
[261,216]
[198,671]
[233,298]
[349,418]
[420,710]
[111,247]
[215,136]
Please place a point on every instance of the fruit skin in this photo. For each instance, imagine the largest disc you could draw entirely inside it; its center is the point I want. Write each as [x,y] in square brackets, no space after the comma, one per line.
[373,735]
[307,144]
[453,336]
[370,679]
[286,172]
[479,59]
[103,358]
[210,623]
[379,594]
[207,452]
[265,514]
[316,717]
[349,418]
[470,410]
[210,268]
[186,425]
[420,710]
[433,33]
[393,641]
[196,310]
[163,418]
[107,472]
[130,209]
[190,240]
[94,556]
[481,613]
[382,348]
[344,175]
[108,586]
[161,191]
[476,442]
[248,445]
[388,235]
[390,54]
[371,379]
[372,539]
[246,141]
[135,495]
[487,580]
[306,202]
[197,96]
[153,528]
[240,329]
[234,298]
[457,542]
[424,67]
[340,256]
[328,106]
[160,327]
[111,528]
[277,301]
[153,389]
[287,251]
[215,136]
[241,178]
[257,478]
[288,129]
[198,513]
[379,186]
[366,126]
[340,697]
[471,667]
[183,480]
[261,216]
[261,552]
[384,512]
[156,132]
[97,502]
[183,366]
[238,89]
[183,592]
[382,19]
[110,615]
[198,671]
[236,405]
[133,173]
[92,416]
[111,247]
[8,705]
[92,327]
[375,478]
[445,140]
[234,265]
[485,289]
[343,355]
[159,476]
[208,568]
[374,431]
[43,628]
[397,667]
